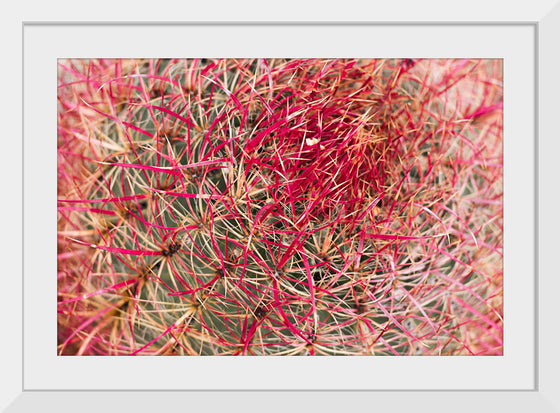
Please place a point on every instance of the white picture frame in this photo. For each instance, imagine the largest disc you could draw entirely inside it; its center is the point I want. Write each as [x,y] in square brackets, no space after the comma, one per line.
[536,390]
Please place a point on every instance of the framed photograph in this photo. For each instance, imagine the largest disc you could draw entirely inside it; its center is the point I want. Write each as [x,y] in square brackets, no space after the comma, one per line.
[326,210]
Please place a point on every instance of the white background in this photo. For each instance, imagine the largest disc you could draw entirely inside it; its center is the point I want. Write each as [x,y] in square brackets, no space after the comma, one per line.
[43,369]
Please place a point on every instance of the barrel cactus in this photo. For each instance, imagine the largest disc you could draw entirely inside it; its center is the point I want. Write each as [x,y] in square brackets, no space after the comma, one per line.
[280,207]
